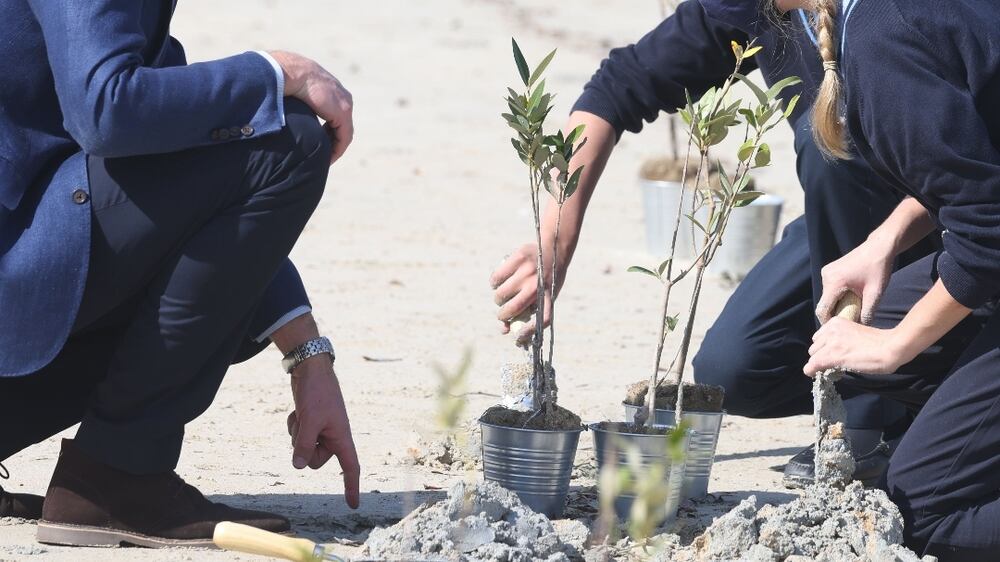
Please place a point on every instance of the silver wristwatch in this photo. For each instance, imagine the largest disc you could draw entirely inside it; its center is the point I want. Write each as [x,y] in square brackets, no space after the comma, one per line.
[309,349]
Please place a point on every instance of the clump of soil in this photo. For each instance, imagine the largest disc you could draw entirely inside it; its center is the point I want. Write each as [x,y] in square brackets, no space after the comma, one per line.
[697,397]
[629,427]
[555,418]
[460,450]
[477,522]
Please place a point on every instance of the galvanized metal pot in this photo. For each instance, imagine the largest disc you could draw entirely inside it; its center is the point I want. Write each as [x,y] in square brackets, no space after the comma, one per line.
[535,464]
[705,428]
[749,235]
[613,447]
[659,208]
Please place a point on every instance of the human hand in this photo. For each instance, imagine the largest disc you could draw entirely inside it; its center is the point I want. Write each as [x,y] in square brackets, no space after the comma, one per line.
[849,346]
[515,290]
[319,426]
[864,271]
[323,93]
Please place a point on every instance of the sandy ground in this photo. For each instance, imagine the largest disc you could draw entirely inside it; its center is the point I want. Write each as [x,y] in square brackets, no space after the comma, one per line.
[426,202]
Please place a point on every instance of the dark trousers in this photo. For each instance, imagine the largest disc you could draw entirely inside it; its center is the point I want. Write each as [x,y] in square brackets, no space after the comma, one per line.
[758,345]
[184,246]
[945,474]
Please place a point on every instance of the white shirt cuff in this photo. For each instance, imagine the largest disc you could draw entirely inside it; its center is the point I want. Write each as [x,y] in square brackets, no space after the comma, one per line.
[280,75]
[285,319]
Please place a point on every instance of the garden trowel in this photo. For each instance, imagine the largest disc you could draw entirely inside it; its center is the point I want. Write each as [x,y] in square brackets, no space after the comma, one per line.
[243,538]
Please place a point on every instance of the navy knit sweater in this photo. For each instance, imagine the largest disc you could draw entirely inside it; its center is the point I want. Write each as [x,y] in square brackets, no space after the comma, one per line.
[922,81]
[692,50]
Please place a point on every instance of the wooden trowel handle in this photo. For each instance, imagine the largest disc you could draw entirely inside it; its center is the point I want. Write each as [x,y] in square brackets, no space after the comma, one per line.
[848,307]
[243,538]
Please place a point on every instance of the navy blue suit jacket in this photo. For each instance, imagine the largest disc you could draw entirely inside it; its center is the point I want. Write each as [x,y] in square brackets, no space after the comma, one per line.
[102,78]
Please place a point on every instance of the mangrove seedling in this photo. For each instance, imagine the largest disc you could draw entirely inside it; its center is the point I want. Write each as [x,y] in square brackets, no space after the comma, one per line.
[709,121]
[547,158]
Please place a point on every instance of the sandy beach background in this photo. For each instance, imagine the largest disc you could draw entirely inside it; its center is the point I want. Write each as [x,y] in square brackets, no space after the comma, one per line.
[426,202]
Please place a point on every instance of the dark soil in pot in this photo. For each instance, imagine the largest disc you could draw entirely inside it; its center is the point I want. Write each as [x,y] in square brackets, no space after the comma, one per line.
[631,428]
[555,418]
[697,397]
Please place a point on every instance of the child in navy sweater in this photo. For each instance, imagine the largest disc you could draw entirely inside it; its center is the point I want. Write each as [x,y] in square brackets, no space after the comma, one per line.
[913,86]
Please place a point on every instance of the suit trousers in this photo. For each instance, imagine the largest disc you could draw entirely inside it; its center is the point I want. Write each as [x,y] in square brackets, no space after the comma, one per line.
[945,474]
[757,347]
[184,247]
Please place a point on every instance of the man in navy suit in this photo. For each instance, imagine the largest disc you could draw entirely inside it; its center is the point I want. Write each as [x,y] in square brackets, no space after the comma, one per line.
[147,209]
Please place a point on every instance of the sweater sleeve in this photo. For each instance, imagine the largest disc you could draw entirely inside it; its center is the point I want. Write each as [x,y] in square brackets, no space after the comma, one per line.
[114,105]
[923,127]
[688,50]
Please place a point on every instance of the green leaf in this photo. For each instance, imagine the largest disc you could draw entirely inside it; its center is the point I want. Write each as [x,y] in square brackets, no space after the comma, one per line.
[749,116]
[751,52]
[575,134]
[559,162]
[761,96]
[536,96]
[746,150]
[745,198]
[541,68]
[781,85]
[640,269]
[672,322]
[522,65]
[573,183]
[763,157]
[663,266]
[691,218]
[791,106]
[727,186]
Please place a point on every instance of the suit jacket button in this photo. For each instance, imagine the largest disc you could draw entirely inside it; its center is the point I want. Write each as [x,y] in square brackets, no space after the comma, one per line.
[223,134]
[247,130]
[80,196]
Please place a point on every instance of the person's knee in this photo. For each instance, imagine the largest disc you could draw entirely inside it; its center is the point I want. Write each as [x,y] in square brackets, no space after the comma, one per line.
[308,150]
[729,365]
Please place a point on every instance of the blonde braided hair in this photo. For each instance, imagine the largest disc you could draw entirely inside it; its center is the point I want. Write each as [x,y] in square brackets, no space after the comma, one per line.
[828,128]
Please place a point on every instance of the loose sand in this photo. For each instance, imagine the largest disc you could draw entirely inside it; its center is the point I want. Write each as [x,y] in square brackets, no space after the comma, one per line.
[429,198]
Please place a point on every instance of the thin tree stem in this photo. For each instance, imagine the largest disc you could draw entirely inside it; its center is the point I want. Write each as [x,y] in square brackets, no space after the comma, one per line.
[555,273]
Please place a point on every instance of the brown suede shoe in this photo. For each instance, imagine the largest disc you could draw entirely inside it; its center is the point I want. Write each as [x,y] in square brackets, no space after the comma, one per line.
[92,504]
[24,506]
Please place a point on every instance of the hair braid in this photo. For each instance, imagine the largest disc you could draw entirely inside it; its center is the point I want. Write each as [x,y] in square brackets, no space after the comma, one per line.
[828,129]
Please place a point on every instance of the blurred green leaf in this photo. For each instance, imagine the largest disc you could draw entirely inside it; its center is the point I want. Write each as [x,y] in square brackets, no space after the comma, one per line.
[781,85]
[745,198]
[522,65]
[763,157]
[663,266]
[746,150]
[573,182]
[640,269]
[791,106]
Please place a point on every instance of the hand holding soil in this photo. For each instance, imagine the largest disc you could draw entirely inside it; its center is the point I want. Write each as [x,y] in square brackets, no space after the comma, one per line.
[515,284]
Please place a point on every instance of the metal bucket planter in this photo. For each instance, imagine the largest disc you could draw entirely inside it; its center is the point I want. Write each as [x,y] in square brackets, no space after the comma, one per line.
[534,464]
[749,235]
[705,428]
[659,208]
[611,446]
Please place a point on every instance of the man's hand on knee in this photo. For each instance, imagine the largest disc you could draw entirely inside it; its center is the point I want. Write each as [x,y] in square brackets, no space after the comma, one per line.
[323,93]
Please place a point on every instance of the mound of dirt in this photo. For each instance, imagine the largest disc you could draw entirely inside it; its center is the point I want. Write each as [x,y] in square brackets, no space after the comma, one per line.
[477,522]
[555,418]
[697,397]
[830,524]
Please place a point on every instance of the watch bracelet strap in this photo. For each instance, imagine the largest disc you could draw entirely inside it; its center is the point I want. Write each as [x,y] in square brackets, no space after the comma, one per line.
[311,348]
